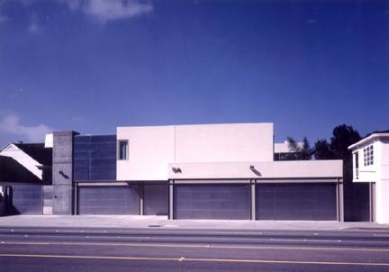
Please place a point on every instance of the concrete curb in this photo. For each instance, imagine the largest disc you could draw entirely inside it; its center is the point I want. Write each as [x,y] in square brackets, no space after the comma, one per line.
[101,221]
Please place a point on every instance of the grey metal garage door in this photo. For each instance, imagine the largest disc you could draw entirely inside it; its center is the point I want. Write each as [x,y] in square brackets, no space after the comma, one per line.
[309,201]
[156,199]
[211,201]
[108,200]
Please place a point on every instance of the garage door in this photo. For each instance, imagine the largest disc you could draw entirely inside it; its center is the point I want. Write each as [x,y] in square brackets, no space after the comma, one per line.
[108,200]
[24,199]
[211,201]
[309,201]
[156,199]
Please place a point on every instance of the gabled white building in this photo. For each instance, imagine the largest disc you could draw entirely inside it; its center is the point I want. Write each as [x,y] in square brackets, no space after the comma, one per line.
[19,153]
[371,164]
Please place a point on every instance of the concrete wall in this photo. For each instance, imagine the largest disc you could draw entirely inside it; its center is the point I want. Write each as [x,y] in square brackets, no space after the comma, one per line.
[151,149]
[62,172]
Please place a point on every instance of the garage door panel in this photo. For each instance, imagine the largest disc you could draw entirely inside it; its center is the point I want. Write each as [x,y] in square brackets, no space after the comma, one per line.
[310,201]
[212,201]
[156,199]
[25,199]
[108,200]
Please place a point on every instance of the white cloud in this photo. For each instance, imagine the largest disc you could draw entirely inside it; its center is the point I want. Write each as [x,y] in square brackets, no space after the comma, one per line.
[34,27]
[11,125]
[109,10]
[77,119]
[3,19]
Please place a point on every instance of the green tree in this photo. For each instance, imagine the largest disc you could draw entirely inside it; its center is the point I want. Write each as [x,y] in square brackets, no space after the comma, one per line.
[298,151]
[323,151]
[342,137]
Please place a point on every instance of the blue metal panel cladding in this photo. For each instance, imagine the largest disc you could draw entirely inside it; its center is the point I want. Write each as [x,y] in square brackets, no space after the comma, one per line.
[24,199]
[95,158]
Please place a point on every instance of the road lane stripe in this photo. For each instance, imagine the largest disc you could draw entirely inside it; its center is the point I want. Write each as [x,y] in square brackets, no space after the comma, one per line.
[182,259]
[310,248]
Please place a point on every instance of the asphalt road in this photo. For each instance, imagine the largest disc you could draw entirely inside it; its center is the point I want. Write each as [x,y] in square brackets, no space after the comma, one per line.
[42,249]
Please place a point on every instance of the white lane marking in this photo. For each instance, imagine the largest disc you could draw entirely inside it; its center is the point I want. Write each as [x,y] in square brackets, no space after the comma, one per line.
[133,258]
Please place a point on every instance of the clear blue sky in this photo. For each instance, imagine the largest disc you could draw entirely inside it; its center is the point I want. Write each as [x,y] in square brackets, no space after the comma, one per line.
[93,65]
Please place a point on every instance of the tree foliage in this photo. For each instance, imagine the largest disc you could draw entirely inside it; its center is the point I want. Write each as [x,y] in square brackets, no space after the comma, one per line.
[298,151]
[323,150]
[342,137]
[337,148]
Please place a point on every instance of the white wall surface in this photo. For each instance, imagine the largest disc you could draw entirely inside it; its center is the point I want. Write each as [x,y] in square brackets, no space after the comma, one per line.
[262,170]
[151,149]
[284,147]
[211,152]
[382,202]
[224,143]
[368,173]
[384,157]
[382,187]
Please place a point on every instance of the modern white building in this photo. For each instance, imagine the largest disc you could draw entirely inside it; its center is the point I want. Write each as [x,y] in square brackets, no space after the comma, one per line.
[371,164]
[228,171]
[211,171]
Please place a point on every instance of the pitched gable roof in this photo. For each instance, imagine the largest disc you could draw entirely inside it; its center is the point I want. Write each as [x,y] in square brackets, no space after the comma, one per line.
[38,152]
[12,171]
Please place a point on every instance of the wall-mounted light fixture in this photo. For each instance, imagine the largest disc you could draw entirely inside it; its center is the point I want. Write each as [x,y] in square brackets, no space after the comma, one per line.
[255,171]
[176,170]
[63,174]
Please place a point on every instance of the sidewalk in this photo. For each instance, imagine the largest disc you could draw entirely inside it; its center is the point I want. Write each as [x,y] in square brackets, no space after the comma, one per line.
[136,222]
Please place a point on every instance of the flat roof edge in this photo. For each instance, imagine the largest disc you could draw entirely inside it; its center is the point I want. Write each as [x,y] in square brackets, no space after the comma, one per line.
[369,138]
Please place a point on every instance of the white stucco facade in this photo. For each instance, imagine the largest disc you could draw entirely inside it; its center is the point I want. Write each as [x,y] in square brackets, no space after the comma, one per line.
[371,164]
[220,151]
[152,149]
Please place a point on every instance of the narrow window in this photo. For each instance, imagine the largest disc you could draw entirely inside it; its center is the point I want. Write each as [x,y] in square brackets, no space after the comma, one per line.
[356,160]
[368,155]
[356,165]
[123,150]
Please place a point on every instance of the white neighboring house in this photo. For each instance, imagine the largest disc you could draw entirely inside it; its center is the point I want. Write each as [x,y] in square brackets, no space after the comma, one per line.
[371,164]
